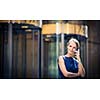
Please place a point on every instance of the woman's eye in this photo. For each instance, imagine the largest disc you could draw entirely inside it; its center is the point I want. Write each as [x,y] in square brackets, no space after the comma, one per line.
[70,46]
[74,47]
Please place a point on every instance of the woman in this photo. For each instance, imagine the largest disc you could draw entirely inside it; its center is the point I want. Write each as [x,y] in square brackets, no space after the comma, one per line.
[70,65]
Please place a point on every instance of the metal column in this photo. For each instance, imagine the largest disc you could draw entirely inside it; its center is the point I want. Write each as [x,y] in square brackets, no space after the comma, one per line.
[39,53]
[10,49]
[62,40]
[57,44]
[24,56]
[33,53]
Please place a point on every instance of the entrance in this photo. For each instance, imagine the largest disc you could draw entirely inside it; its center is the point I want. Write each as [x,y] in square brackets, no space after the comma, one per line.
[20,50]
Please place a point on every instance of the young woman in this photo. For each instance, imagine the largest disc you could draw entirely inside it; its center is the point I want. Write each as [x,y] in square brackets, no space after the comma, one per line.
[70,65]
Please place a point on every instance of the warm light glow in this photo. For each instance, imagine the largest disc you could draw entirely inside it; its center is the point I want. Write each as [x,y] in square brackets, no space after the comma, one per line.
[67,29]
[24,26]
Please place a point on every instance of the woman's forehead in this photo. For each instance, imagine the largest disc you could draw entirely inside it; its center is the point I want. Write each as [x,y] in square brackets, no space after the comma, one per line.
[72,43]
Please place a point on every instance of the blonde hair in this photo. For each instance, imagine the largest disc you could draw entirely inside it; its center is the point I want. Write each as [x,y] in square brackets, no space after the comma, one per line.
[74,40]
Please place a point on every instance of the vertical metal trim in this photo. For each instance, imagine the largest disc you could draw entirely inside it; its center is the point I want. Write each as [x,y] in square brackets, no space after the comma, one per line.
[32,53]
[87,56]
[40,23]
[41,51]
[39,54]
[24,55]
[57,40]
[42,57]
[57,44]
[86,34]
[10,48]
[62,40]
[16,56]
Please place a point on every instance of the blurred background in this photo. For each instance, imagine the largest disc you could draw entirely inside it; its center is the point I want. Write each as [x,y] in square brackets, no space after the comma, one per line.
[29,49]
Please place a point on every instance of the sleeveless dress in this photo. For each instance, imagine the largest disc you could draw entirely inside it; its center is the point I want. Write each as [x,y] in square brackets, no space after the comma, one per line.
[71,65]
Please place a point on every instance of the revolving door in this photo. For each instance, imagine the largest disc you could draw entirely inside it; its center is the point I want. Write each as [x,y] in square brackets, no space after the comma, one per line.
[55,38]
[20,50]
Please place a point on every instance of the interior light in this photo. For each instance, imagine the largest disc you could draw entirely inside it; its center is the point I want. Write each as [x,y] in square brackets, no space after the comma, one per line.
[24,27]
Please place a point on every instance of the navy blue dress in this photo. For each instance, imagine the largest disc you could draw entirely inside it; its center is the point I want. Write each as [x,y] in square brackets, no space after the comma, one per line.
[71,65]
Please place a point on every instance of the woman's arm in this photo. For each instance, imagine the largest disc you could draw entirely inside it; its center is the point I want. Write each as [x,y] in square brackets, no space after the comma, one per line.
[64,70]
[81,70]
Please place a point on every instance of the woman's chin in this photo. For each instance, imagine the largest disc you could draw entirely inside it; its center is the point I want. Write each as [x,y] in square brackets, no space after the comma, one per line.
[71,54]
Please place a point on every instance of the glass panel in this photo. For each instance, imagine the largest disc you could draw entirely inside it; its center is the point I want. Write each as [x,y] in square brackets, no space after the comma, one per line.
[36,55]
[25,55]
[50,69]
[29,53]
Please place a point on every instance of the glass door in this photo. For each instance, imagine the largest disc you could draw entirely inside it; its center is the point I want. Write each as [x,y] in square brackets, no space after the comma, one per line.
[50,55]
[26,51]
[54,43]
[20,49]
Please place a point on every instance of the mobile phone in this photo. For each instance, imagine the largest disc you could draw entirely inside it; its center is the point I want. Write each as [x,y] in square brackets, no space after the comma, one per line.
[76,53]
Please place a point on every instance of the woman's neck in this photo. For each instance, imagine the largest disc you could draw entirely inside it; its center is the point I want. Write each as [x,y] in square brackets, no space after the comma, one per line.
[68,55]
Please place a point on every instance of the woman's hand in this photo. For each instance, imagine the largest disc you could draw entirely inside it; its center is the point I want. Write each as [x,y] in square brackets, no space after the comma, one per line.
[77,55]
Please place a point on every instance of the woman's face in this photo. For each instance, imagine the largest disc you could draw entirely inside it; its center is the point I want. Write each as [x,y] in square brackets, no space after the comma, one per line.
[72,48]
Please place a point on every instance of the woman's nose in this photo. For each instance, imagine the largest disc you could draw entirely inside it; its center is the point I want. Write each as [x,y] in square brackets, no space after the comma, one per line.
[71,49]
[74,49]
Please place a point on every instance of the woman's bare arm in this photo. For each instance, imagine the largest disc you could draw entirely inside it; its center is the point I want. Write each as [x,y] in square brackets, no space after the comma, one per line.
[64,70]
[81,71]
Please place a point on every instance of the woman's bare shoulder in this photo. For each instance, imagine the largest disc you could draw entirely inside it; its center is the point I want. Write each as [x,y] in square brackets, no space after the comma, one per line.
[61,58]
